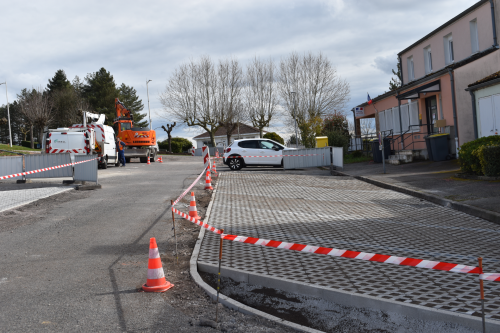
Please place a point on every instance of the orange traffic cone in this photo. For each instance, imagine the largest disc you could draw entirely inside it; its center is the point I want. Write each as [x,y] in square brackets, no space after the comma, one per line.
[149,161]
[208,183]
[193,212]
[214,169]
[156,281]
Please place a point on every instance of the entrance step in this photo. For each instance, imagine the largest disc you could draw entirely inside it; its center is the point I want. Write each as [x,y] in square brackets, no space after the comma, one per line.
[400,158]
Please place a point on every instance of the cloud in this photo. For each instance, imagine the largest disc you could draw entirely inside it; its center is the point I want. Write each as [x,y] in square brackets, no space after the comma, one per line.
[386,64]
[136,41]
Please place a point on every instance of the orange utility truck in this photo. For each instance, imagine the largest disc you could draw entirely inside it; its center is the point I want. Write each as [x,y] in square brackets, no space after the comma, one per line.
[140,141]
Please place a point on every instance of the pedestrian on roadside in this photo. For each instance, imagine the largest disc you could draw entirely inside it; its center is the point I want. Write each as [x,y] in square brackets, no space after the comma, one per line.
[120,146]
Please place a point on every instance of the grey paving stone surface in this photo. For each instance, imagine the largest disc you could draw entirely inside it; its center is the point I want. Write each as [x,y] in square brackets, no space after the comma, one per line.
[345,213]
[15,198]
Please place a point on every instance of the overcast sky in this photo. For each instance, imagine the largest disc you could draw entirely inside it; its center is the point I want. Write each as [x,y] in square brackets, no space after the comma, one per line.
[139,40]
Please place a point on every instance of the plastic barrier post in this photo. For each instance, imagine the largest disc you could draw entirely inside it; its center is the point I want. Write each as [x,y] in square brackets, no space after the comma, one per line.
[175,235]
[218,278]
[480,260]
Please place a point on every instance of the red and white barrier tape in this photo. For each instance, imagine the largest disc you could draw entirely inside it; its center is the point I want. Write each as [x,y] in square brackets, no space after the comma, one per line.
[44,169]
[403,261]
[274,156]
[490,276]
[190,187]
[195,221]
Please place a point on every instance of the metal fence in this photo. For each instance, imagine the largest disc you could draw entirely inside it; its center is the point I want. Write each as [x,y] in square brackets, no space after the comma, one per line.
[85,171]
[40,161]
[10,165]
[317,157]
[338,157]
[212,150]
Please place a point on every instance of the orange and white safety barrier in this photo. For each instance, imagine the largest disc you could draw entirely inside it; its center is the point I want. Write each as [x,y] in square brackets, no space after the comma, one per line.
[208,182]
[156,281]
[193,211]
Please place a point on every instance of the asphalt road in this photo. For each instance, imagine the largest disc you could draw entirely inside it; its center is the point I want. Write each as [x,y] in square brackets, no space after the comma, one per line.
[75,262]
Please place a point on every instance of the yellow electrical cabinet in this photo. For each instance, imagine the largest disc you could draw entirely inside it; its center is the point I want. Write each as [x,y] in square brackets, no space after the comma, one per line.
[321,141]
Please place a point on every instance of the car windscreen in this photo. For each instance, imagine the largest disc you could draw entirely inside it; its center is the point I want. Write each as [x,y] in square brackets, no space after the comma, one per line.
[252,144]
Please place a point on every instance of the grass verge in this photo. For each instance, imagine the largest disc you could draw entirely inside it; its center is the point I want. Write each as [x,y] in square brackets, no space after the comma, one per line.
[348,159]
[14,147]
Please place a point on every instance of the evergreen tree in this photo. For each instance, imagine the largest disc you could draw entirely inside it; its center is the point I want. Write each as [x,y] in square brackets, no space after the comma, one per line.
[59,81]
[128,96]
[395,82]
[100,91]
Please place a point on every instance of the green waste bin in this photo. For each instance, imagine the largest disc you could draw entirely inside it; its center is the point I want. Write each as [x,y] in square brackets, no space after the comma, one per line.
[438,147]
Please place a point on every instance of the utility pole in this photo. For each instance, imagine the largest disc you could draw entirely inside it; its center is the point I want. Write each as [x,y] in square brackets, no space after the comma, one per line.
[8,113]
[295,118]
[147,89]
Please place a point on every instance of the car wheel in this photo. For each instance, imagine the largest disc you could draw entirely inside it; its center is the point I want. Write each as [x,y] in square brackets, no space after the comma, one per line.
[235,164]
[104,165]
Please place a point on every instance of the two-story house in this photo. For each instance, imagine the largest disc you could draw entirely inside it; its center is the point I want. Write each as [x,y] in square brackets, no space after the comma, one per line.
[436,71]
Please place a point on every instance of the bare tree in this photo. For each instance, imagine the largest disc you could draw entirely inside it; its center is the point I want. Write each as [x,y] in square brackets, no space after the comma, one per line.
[367,126]
[317,86]
[36,107]
[191,96]
[260,93]
[169,131]
[230,83]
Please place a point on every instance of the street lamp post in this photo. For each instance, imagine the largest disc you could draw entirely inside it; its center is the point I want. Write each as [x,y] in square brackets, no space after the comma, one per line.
[149,110]
[295,118]
[8,113]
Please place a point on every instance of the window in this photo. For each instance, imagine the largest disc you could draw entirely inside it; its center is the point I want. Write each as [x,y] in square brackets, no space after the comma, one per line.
[251,144]
[428,59]
[411,73]
[270,145]
[448,49]
[125,126]
[474,40]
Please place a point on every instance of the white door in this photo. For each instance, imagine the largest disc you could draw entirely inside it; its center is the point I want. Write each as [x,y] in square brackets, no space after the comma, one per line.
[249,148]
[486,118]
[267,149]
[496,113]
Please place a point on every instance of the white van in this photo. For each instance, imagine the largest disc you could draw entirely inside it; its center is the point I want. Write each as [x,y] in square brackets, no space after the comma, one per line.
[105,143]
[80,140]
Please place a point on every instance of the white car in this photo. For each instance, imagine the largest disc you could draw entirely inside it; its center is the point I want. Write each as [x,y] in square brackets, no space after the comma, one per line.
[254,152]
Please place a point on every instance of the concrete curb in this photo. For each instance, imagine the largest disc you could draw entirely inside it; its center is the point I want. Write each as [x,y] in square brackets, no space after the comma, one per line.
[468,209]
[223,299]
[39,198]
[353,299]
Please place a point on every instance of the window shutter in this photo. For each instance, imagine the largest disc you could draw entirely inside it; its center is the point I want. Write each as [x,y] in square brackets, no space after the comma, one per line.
[405,120]
[388,120]
[413,111]
[381,121]
[395,116]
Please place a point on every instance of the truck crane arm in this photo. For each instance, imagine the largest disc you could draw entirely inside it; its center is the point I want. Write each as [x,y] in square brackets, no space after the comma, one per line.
[95,118]
[122,112]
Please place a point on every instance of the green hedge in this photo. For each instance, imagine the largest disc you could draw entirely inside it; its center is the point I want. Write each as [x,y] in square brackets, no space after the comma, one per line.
[469,158]
[27,144]
[489,156]
[338,139]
